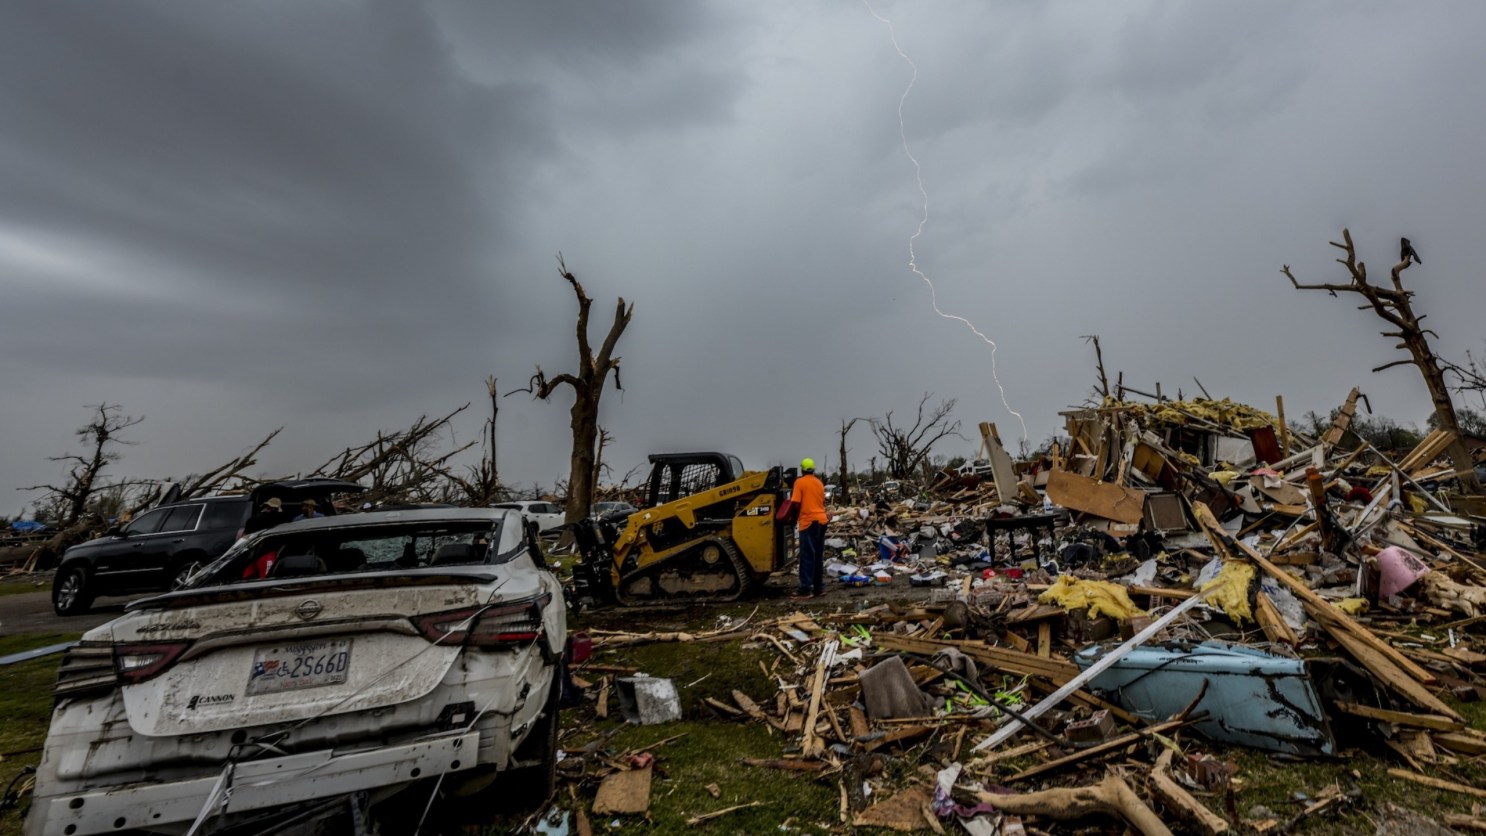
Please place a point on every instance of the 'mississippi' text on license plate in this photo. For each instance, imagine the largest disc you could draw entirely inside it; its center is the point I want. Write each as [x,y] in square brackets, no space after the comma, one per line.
[292,667]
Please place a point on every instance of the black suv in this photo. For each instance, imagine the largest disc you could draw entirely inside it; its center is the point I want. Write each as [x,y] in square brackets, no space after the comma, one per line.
[164,546]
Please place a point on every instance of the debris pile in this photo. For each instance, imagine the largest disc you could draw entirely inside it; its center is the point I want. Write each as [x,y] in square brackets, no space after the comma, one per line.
[1096,633]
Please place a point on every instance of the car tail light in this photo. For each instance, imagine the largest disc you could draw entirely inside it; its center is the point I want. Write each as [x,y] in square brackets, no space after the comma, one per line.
[87,668]
[136,663]
[514,623]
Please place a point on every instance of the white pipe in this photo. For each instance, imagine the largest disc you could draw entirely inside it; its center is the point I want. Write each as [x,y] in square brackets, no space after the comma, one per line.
[1094,670]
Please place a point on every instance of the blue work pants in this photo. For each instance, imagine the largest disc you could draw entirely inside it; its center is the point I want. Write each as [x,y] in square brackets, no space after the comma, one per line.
[812,558]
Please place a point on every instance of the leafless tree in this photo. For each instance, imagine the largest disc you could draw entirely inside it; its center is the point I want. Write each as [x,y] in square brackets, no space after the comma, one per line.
[904,449]
[1393,305]
[72,507]
[84,469]
[1103,390]
[215,479]
[599,466]
[588,387]
[845,472]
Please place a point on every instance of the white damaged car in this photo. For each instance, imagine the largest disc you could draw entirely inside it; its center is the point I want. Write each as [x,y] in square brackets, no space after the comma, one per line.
[344,658]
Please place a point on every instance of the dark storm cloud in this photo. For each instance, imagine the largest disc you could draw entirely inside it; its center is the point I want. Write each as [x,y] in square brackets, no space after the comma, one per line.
[340,215]
[250,186]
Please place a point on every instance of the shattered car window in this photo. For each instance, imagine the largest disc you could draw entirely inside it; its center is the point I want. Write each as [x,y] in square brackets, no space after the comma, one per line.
[330,551]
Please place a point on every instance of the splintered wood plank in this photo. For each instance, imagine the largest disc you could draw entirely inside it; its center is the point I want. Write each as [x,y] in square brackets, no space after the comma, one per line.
[1342,421]
[748,706]
[1401,718]
[1273,624]
[602,708]
[1437,783]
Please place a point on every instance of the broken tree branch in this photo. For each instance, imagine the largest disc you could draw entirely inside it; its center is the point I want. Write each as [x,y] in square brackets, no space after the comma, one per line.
[1111,796]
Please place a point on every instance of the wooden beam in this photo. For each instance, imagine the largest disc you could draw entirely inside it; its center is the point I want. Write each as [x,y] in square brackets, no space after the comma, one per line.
[1108,747]
[1437,783]
[1401,718]
[1334,620]
[1273,623]
[811,744]
[1342,422]
[1279,405]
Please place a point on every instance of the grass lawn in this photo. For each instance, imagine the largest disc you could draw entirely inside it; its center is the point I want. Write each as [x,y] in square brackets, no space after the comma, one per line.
[26,706]
[22,587]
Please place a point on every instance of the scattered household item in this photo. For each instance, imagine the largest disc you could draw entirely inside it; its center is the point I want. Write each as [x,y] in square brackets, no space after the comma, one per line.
[888,691]
[933,578]
[1398,569]
[648,700]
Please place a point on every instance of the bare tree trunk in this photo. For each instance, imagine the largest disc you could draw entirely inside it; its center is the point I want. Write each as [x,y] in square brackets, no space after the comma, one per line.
[588,388]
[1099,359]
[1394,306]
[494,413]
[845,472]
[605,439]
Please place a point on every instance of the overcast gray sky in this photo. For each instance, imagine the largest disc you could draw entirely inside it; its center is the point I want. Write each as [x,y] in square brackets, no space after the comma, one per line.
[338,216]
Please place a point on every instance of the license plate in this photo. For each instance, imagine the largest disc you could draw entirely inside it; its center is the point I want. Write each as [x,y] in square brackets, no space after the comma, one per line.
[292,667]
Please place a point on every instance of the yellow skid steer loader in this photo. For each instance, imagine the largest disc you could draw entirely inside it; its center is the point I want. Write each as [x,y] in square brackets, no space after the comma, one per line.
[708,533]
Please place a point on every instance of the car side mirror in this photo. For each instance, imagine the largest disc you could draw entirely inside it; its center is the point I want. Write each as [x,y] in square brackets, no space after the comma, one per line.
[117,531]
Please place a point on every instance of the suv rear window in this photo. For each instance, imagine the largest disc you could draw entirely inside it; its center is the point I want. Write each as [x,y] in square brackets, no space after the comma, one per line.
[230,514]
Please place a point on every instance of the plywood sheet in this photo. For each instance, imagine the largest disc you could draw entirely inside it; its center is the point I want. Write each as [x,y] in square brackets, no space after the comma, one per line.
[1102,499]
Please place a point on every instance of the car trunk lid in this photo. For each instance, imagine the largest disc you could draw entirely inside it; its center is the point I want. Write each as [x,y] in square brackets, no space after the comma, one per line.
[290,654]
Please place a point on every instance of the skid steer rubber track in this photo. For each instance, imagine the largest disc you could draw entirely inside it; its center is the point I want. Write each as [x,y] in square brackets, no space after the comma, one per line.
[710,571]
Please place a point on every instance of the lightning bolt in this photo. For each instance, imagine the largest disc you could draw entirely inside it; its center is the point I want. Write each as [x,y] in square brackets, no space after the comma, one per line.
[918,175]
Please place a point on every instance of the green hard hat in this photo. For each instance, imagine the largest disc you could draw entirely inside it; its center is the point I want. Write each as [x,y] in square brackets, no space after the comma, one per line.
[807,464]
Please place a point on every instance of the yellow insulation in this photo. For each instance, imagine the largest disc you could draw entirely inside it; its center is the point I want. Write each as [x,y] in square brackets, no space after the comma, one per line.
[1232,590]
[1225,412]
[1100,597]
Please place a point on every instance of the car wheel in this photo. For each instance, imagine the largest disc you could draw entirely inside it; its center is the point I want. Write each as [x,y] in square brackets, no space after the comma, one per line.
[184,574]
[72,591]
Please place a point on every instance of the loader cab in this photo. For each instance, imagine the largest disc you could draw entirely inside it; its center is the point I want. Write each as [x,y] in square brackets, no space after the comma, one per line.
[677,475]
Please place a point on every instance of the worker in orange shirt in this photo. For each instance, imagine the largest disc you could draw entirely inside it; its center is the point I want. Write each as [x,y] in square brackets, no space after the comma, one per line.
[809,497]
